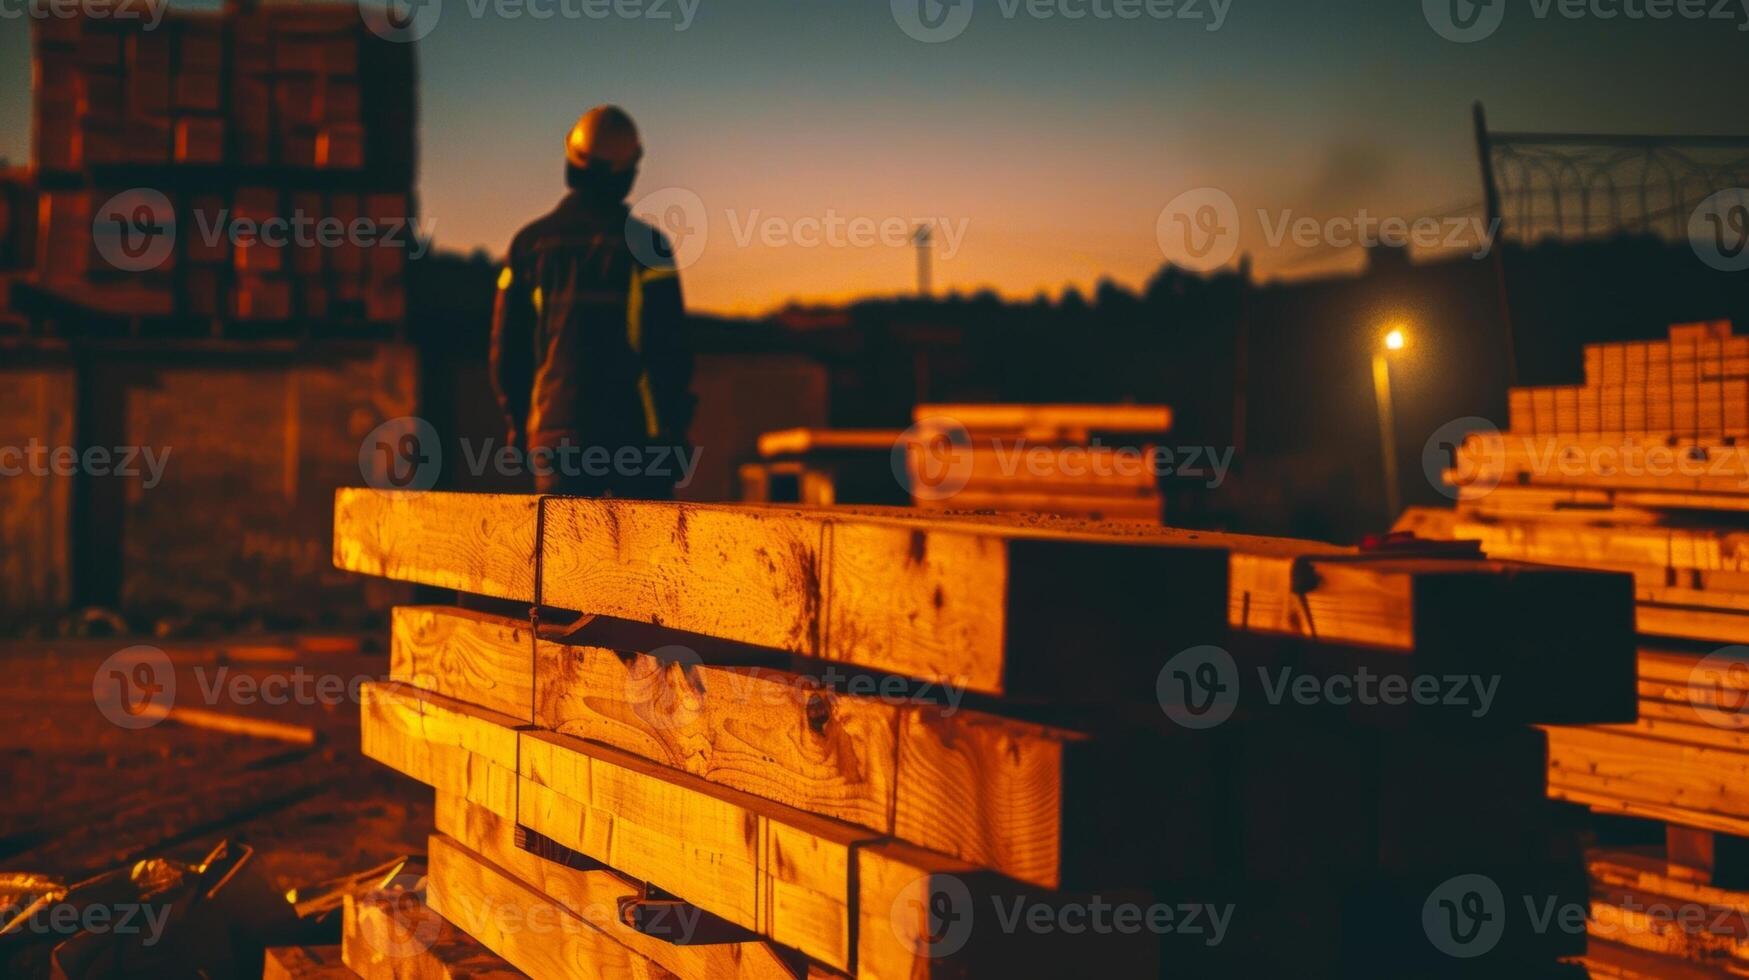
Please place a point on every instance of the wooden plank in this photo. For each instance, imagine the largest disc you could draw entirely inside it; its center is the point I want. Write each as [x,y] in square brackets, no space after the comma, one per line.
[451,746]
[396,936]
[1128,505]
[474,657]
[981,606]
[483,543]
[1043,805]
[532,932]
[304,963]
[772,869]
[802,442]
[1051,418]
[1032,802]
[594,897]
[921,916]
[771,733]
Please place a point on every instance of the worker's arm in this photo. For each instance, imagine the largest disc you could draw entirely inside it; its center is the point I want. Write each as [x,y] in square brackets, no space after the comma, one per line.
[513,321]
[667,354]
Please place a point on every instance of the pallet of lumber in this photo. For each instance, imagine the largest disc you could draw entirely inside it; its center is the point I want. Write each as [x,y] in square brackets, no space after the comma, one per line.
[1638,471]
[726,741]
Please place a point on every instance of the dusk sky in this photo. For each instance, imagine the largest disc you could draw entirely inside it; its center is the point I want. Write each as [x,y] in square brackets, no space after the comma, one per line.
[1052,143]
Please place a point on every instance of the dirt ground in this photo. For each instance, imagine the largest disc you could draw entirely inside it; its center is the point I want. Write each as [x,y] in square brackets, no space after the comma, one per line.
[87,795]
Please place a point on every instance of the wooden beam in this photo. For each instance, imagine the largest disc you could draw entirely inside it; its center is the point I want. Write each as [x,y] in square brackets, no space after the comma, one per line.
[594,896]
[771,733]
[532,932]
[1029,801]
[483,543]
[802,442]
[1052,418]
[396,936]
[452,746]
[304,963]
[775,870]
[469,656]
[988,608]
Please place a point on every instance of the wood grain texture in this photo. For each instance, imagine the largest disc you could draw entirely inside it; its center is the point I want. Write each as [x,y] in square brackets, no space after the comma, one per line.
[446,744]
[396,936]
[747,575]
[988,607]
[482,543]
[774,734]
[530,931]
[778,871]
[474,657]
[1029,801]
[304,963]
[594,897]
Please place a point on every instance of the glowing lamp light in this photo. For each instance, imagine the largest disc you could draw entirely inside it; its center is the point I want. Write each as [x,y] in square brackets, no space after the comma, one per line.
[1395,339]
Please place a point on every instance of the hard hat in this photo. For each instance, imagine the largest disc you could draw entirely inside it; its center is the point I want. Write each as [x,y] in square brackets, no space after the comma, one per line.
[604,136]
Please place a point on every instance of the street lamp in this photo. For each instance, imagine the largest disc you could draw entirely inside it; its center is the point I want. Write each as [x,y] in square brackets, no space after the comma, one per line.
[1395,339]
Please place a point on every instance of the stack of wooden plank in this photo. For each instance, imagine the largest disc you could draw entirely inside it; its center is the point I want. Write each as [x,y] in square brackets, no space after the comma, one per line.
[714,740]
[822,467]
[1094,461]
[1085,461]
[1694,385]
[1659,490]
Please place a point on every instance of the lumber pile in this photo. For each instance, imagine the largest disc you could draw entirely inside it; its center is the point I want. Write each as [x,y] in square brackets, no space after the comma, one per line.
[1087,461]
[259,114]
[1639,471]
[1093,461]
[822,467]
[714,740]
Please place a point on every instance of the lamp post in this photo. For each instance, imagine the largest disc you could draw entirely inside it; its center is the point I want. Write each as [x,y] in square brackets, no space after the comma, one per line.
[1394,340]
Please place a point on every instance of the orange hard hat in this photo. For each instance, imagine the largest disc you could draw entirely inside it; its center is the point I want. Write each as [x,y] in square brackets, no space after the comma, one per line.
[604,136]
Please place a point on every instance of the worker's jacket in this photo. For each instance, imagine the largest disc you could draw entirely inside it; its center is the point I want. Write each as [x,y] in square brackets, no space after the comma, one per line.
[587,341]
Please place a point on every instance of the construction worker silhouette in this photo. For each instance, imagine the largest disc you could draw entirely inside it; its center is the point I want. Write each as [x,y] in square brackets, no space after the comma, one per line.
[589,358]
